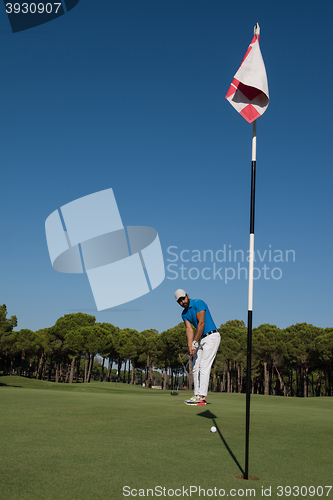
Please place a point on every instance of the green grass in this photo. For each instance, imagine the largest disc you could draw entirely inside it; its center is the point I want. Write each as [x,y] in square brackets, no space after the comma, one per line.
[88,441]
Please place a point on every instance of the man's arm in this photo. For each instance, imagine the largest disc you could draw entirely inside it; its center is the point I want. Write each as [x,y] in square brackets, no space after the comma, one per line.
[189,335]
[201,324]
[199,332]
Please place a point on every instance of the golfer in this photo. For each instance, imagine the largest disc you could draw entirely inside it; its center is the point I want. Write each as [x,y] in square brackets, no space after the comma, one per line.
[203,346]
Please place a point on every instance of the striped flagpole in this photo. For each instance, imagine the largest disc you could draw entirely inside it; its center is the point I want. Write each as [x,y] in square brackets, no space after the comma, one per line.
[249,88]
[250,300]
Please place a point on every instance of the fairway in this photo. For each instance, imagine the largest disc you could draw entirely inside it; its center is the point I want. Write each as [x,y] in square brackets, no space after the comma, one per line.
[89,441]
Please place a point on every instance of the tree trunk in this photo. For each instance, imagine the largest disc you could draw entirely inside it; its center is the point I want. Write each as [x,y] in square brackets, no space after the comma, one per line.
[306,382]
[319,383]
[109,370]
[78,369]
[150,376]
[297,383]
[133,373]
[71,377]
[266,379]
[85,380]
[282,385]
[22,363]
[49,375]
[124,373]
[102,374]
[271,381]
[228,379]
[67,373]
[239,384]
[35,367]
[165,377]
[224,378]
[44,368]
[147,370]
[39,366]
[214,382]
[90,366]
[300,391]
[119,368]
[4,367]
[257,385]
[30,368]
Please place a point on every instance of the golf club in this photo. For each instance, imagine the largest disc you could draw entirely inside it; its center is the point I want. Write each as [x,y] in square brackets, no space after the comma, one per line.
[175,393]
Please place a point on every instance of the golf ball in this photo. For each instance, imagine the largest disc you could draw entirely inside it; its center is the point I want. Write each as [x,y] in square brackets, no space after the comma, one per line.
[213,429]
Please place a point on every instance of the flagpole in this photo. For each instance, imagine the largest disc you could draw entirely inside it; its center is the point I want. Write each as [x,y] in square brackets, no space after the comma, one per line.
[248,94]
[250,300]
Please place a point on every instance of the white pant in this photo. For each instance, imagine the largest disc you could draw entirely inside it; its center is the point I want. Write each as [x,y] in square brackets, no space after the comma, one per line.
[202,362]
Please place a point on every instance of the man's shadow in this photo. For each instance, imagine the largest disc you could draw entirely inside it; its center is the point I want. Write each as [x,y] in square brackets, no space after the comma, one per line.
[208,414]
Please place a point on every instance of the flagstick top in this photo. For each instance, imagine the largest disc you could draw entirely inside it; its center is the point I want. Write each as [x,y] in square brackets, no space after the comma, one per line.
[257,29]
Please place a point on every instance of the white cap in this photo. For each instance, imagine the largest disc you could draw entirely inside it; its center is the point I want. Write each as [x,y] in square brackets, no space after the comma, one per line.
[180,293]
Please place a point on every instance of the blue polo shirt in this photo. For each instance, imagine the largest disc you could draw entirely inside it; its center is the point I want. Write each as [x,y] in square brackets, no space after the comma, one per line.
[190,314]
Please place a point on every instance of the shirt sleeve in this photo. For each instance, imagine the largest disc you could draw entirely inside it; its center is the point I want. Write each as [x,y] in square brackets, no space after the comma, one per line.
[200,305]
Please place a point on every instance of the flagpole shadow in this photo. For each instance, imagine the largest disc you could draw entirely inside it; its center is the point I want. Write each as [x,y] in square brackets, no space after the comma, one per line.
[208,414]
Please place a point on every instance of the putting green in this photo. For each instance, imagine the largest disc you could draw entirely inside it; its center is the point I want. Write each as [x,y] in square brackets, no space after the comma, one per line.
[115,441]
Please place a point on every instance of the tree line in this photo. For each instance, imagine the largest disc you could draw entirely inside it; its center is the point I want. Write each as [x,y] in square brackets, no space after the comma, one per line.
[295,361]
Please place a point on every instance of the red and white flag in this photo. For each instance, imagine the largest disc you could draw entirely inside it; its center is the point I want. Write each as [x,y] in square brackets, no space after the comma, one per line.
[248,92]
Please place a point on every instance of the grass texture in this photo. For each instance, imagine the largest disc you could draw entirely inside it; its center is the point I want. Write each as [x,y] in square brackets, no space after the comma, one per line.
[89,441]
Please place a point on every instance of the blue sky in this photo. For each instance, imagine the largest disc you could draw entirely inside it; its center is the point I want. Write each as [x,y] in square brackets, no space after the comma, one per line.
[129,95]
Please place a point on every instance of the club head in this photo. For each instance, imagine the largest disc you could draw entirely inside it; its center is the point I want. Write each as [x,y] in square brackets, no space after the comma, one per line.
[174,393]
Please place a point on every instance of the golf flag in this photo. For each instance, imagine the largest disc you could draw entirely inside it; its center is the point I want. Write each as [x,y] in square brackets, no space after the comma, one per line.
[248,92]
